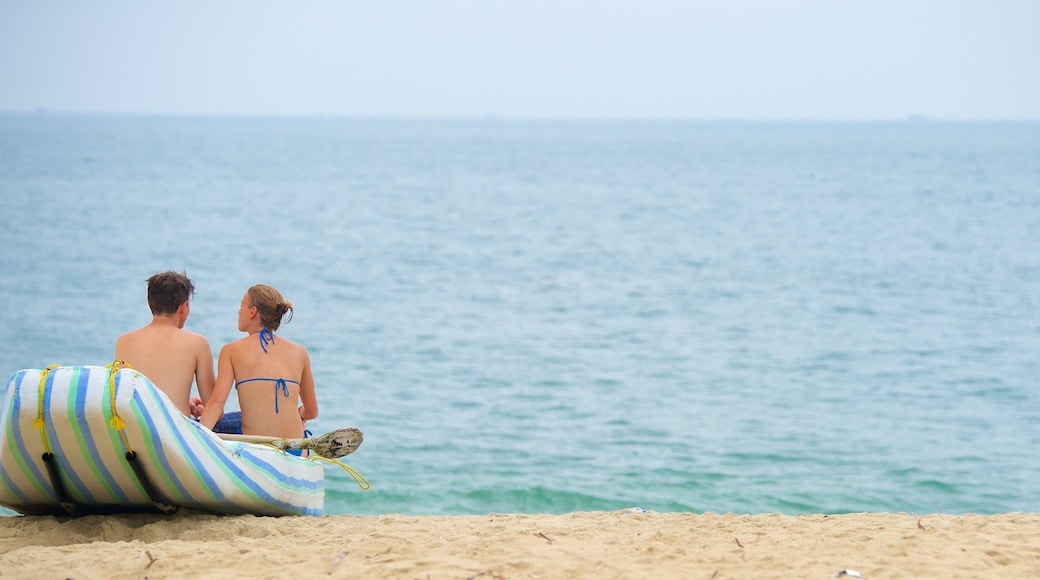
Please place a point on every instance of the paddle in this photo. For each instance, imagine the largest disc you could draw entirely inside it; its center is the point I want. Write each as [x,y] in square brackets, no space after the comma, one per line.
[330,445]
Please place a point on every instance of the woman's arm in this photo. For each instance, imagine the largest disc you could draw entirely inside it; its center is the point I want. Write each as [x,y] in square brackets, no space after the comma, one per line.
[308,397]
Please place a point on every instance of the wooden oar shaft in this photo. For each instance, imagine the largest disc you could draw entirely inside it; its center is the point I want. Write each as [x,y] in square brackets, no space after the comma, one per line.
[330,445]
[276,441]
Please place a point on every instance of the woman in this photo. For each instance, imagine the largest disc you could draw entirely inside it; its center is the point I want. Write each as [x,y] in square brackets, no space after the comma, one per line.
[271,374]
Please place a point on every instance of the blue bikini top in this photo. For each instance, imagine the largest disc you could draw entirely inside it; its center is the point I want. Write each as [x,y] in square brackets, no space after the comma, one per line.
[267,337]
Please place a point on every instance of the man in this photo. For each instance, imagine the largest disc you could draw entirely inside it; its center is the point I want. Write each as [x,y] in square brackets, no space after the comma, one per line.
[166,353]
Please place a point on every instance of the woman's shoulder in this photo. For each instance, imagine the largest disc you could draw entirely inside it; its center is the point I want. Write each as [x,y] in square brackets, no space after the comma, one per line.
[293,349]
[292,344]
[237,345]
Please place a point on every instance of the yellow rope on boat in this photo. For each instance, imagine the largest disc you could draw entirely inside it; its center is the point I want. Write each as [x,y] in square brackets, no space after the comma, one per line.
[358,478]
[39,423]
[117,422]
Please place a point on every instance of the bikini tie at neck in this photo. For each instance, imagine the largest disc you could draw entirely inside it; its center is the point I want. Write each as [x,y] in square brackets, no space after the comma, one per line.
[266,337]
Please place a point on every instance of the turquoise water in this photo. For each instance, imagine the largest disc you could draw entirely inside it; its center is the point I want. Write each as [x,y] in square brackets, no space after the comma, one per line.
[549,317]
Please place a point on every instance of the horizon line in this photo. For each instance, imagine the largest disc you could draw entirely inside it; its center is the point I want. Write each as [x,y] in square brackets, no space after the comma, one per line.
[910,117]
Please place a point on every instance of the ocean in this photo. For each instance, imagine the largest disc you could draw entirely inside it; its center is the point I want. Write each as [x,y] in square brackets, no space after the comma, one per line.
[548,316]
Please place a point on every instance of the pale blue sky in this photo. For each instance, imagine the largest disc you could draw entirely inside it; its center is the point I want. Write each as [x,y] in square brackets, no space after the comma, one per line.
[693,59]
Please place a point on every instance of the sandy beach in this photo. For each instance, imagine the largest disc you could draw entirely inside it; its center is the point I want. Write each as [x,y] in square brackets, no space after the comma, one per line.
[621,544]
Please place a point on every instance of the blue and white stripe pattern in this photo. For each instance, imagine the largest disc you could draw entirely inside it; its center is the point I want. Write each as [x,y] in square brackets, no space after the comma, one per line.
[187,464]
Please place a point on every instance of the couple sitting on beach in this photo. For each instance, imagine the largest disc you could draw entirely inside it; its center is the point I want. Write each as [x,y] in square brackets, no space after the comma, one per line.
[272,375]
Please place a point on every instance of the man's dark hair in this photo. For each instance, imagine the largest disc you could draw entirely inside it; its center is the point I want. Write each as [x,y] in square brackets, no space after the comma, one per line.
[167,291]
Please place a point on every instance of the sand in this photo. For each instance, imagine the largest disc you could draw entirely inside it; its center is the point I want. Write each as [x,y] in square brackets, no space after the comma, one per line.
[622,544]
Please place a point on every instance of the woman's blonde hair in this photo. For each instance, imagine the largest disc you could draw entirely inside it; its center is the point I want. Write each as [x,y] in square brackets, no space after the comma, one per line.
[270,304]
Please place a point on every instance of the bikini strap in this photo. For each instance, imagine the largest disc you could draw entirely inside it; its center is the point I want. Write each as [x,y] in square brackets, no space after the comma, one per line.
[279,385]
[283,385]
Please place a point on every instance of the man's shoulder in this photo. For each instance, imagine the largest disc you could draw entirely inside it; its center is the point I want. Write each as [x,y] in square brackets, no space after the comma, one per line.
[194,335]
[131,338]
[169,339]
[131,333]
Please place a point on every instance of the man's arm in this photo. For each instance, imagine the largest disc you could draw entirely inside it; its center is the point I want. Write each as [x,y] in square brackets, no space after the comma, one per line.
[204,377]
[120,348]
[218,396]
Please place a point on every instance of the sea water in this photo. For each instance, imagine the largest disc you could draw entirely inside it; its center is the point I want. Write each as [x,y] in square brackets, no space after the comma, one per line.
[554,316]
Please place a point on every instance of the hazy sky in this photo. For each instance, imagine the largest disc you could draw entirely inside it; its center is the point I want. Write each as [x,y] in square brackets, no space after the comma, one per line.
[712,59]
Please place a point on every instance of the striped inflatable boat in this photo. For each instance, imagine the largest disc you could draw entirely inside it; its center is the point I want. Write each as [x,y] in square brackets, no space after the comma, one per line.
[88,439]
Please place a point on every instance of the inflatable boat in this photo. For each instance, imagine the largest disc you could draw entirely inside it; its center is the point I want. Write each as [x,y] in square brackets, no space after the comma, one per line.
[78,440]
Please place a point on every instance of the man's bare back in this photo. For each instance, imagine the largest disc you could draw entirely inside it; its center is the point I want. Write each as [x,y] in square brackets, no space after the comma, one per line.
[166,353]
[171,357]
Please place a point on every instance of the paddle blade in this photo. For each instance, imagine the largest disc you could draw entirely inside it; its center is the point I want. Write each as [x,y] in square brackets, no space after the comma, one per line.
[337,443]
